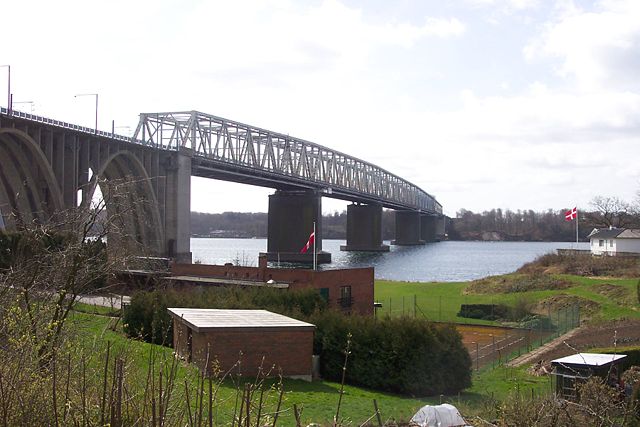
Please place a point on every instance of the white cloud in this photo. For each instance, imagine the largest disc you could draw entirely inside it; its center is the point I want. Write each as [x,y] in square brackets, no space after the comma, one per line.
[599,49]
[507,4]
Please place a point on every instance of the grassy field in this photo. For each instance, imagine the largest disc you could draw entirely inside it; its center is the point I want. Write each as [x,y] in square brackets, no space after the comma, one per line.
[318,399]
[599,298]
[608,299]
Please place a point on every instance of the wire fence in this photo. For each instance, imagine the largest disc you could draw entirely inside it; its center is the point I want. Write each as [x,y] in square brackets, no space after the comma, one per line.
[490,336]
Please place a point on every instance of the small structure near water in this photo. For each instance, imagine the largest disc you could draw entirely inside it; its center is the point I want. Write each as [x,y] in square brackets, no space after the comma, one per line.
[252,341]
[615,241]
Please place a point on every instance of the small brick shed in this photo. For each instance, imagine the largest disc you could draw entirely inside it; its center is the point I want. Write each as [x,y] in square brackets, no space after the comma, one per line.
[283,342]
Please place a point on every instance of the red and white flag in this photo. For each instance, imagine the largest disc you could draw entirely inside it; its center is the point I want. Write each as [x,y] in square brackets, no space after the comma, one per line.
[309,244]
[571,215]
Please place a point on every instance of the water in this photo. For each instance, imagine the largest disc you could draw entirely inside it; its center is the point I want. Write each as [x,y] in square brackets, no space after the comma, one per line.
[442,262]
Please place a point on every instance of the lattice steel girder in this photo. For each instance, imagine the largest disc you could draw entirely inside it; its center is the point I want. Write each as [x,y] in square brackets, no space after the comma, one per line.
[280,156]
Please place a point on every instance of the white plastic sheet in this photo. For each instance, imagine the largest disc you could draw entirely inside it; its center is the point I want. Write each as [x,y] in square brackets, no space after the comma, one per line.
[444,415]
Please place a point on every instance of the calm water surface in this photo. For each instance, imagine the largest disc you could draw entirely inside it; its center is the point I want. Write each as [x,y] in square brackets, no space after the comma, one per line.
[443,261]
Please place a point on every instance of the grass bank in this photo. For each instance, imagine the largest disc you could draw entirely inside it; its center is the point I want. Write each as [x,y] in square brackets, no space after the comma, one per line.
[317,400]
[600,298]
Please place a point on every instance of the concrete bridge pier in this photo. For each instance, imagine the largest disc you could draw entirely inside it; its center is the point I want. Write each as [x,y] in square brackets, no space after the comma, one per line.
[408,229]
[428,225]
[290,222]
[364,229]
[177,207]
[441,227]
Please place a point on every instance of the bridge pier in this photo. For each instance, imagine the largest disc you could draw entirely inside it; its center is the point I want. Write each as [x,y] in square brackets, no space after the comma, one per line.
[407,229]
[428,228]
[364,229]
[290,222]
[441,227]
[177,217]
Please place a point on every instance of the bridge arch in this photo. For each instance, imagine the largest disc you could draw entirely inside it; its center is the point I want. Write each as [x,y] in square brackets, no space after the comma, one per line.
[130,202]
[29,191]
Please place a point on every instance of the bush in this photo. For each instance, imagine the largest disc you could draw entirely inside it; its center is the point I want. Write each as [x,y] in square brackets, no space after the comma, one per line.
[484,311]
[147,317]
[401,355]
[516,313]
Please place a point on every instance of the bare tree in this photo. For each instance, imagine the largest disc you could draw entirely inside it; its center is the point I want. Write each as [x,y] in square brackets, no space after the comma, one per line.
[52,263]
[613,212]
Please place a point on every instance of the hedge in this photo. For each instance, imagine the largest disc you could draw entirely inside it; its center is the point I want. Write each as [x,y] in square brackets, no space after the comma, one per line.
[400,354]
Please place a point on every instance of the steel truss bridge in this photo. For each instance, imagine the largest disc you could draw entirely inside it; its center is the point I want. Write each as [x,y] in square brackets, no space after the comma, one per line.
[230,150]
[49,165]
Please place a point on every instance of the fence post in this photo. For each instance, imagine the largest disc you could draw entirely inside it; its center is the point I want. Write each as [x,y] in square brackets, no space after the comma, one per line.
[440,309]
[415,305]
[402,305]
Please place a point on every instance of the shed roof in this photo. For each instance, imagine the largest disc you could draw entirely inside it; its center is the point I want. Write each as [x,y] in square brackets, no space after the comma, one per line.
[589,359]
[204,319]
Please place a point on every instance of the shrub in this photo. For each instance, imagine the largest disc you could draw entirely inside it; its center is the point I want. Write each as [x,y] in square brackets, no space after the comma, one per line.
[401,355]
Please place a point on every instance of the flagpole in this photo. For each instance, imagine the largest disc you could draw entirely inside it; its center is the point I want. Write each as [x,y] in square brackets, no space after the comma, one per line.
[314,246]
[576,226]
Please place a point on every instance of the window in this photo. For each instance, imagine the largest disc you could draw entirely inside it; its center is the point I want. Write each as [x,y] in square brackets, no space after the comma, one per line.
[324,293]
[611,243]
[345,296]
[601,243]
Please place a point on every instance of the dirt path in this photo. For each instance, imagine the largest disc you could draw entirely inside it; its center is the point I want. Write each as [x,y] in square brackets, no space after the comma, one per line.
[535,355]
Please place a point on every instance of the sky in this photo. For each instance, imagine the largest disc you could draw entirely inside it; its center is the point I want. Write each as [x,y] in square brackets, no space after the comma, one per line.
[512,104]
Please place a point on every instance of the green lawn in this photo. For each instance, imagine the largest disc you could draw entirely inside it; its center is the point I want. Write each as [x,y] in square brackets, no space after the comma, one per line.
[441,301]
[318,400]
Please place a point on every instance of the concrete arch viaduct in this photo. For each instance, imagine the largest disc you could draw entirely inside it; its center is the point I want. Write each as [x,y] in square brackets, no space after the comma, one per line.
[47,166]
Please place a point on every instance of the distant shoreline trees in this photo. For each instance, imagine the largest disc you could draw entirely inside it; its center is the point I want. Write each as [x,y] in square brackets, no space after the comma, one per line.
[495,224]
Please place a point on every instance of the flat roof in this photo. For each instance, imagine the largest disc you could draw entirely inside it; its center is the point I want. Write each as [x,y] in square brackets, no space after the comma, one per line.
[589,359]
[209,318]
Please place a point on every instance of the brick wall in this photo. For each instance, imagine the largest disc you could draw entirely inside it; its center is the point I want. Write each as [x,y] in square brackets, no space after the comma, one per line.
[360,279]
[286,350]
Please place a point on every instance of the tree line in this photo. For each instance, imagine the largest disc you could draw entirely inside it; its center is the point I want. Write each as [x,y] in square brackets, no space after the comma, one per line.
[494,224]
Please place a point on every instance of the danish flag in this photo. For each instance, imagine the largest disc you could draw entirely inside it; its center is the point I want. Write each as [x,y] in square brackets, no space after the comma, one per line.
[571,215]
[306,247]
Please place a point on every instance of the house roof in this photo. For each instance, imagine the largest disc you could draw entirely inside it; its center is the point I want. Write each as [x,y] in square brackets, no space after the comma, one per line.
[588,359]
[618,233]
[605,233]
[630,233]
[200,319]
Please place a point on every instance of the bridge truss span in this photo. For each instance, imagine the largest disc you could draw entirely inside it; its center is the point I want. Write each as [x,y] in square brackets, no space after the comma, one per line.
[280,159]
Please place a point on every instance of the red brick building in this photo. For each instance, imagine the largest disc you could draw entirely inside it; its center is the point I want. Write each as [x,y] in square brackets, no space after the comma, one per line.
[349,290]
[252,342]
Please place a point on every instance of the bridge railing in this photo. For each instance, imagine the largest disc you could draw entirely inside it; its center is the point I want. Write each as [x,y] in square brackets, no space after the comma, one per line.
[230,142]
[66,125]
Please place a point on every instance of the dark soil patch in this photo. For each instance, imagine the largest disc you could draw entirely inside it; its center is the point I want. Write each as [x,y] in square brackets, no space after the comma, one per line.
[559,302]
[516,283]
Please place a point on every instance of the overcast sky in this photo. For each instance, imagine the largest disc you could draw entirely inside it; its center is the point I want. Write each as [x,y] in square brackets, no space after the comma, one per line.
[518,104]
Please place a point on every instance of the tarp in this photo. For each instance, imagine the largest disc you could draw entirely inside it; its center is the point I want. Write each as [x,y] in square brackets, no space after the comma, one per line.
[444,415]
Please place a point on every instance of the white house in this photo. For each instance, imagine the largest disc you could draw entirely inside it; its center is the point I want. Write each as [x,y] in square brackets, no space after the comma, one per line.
[614,241]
